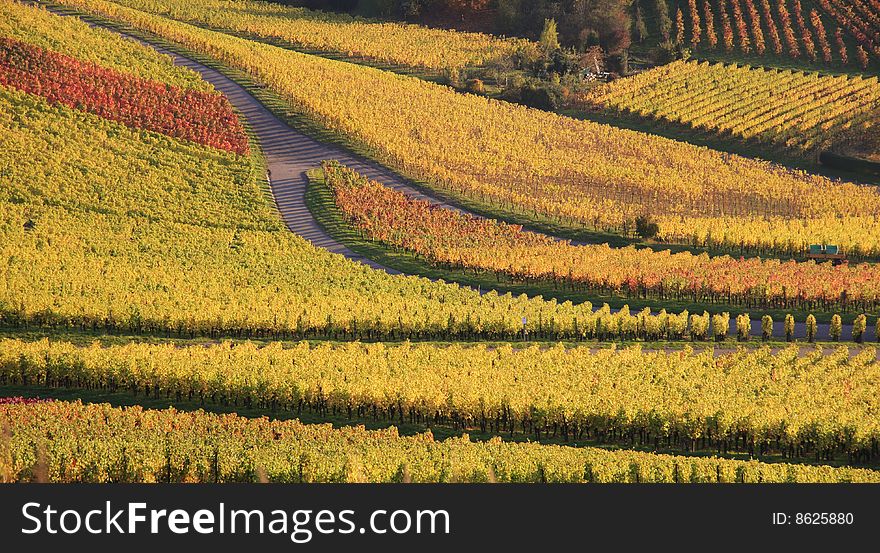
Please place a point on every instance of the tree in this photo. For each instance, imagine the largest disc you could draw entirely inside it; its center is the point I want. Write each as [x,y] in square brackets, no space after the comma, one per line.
[646,227]
[376,8]
[836,328]
[862,56]
[549,37]
[459,9]
[663,20]
[766,327]
[641,27]
[860,324]
[613,24]
[789,327]
[743,327]
[811,328]
[679,27]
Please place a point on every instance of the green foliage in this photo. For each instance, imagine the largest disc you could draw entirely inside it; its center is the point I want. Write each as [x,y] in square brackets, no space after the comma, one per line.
[668,52]
[549,39]
[539,96]
[646,227]
[640,25]
[663,20]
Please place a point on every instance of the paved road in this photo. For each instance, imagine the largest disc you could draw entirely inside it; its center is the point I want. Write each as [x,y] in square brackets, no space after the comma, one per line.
[290,154]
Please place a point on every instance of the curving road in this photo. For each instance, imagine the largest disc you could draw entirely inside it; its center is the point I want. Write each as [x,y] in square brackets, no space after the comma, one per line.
[290,153]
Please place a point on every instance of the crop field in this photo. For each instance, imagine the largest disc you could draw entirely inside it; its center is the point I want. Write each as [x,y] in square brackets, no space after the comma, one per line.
[231,250]
[804,111]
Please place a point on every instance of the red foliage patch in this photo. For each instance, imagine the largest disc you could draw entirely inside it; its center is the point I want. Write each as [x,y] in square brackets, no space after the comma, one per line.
[18,400]
[201,117]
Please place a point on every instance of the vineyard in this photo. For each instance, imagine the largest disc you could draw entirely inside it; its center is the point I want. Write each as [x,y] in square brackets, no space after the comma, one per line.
[40,141]
[817,405]
[537,164]
[110,246]
[94,443]
[790,109]
[144,258]
[201,117]
[464,242]
[73,38]
[861,18]
[102,234]
[812,33]
[399,44]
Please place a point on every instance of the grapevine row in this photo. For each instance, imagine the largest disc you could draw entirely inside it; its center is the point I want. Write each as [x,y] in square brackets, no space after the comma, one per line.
[802,111]
[111,246]
[861,20]
[802,405]
[396,43]
[52,155]
[72,442]
[461,241]
[204,118]
[74,38]
[791,29]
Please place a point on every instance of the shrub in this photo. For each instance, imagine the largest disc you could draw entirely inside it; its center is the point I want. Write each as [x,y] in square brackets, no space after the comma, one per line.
[811,328]
[646,227]
[539,97]
[859,327]
[476,86]
[836,328]
[743,327]
[766,327]
[789,327]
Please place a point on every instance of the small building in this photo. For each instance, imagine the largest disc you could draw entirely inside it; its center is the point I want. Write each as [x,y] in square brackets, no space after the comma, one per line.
[826,252]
